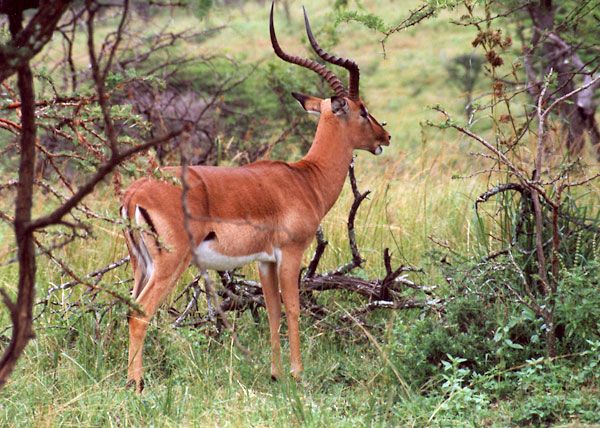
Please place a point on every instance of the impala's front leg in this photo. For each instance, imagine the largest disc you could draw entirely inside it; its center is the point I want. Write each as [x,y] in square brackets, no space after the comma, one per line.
[268,279]
[289,269]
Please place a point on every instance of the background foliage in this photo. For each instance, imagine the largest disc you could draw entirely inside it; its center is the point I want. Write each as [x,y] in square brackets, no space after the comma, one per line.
[480,358]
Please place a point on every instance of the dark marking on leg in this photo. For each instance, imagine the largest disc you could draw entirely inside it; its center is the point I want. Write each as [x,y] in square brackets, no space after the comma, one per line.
[211,235]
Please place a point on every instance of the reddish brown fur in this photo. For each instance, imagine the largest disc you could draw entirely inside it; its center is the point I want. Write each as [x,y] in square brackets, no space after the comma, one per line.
[255,208]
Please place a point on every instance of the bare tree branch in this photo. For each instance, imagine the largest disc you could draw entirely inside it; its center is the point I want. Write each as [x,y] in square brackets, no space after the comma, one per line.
[29,41]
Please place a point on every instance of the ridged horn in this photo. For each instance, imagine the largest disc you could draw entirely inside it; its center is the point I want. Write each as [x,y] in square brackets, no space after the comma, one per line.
[333,81]
[348,64]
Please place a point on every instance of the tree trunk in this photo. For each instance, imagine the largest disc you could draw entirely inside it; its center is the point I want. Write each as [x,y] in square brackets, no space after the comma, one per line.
[21,312]
[558,55]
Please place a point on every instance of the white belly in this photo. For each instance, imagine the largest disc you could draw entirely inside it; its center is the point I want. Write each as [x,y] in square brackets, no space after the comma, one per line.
[208,258]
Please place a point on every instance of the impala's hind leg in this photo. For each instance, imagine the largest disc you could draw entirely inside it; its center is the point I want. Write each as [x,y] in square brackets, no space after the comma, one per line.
[268,279]
[167,271]
[289,270]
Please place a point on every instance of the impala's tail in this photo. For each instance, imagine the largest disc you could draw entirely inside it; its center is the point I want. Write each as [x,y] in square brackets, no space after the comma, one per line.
[142,240]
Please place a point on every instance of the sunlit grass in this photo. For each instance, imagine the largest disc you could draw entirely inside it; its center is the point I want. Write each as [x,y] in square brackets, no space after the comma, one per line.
[73,373]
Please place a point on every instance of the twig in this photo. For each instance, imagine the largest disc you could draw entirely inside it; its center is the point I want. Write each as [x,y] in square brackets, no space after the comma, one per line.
[316,258]
[191,304]
[98,274]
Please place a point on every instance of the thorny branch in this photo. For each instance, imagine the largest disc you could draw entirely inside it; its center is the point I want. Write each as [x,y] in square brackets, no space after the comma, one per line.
[414,17]
[29,41]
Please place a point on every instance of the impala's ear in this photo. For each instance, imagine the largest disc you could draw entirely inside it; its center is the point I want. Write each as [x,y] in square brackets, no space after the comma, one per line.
[308,103]
[339,105]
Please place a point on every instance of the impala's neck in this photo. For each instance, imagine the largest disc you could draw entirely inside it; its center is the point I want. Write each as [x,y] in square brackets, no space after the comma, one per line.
[330,155]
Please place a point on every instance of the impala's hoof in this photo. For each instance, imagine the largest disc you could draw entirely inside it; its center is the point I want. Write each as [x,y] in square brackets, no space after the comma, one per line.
[296,371]
[275,371]
[275,375]
[138,387]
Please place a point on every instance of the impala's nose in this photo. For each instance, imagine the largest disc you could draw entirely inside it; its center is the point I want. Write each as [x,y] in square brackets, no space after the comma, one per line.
[387,142]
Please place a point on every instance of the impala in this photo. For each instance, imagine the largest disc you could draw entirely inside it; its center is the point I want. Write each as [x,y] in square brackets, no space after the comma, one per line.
[267,212]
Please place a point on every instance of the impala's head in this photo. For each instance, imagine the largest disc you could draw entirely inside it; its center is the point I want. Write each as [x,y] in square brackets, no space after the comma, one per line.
[345,109]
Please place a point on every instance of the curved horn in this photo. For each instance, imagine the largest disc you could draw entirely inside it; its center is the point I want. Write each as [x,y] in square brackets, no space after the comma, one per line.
[335,83]
[348,64]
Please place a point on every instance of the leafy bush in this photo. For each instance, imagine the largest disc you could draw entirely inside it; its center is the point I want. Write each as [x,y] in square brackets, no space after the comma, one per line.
[578,307]
[465,332]
[483,328]
[556,391]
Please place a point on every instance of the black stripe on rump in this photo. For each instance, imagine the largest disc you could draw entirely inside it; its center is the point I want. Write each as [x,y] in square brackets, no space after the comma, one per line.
[134,241]
[148,220]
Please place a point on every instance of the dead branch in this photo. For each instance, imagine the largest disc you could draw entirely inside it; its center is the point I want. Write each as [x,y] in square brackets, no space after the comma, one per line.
[359,197]
[484,197]
[96,275]
[316,258]
[28,42]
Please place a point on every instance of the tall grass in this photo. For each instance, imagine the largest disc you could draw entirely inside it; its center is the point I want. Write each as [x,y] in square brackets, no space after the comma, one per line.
[73,373]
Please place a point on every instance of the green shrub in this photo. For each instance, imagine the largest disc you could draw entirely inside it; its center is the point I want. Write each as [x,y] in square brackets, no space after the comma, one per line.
[484,327]
[466,331]
[578,307]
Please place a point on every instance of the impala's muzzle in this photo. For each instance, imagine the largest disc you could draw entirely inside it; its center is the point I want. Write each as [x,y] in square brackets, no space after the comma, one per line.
[385,141]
